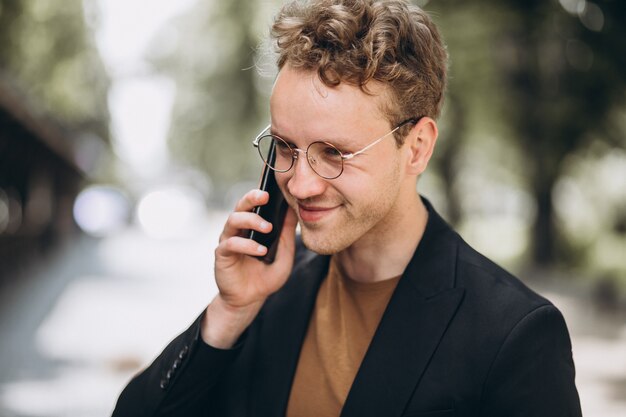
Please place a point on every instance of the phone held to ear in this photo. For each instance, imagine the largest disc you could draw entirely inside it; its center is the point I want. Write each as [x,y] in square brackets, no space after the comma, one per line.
[273,212]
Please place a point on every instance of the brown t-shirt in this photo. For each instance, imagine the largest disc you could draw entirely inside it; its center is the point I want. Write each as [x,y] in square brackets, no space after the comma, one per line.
[343,322]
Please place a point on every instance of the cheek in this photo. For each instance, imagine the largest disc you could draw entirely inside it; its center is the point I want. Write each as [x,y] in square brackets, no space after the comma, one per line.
[371,176]
[380,182]
[281,179]
[354,187]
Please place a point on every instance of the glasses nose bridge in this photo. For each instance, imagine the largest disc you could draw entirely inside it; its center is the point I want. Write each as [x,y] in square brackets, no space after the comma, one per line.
[295,155]
[309,163]
[296,151]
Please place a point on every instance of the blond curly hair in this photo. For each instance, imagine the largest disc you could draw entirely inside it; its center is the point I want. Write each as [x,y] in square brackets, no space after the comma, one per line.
[357,41]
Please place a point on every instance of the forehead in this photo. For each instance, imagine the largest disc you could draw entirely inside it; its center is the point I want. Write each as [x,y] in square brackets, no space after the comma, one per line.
[302,106]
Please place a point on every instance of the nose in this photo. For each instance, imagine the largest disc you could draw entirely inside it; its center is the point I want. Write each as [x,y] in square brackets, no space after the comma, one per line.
[304,182]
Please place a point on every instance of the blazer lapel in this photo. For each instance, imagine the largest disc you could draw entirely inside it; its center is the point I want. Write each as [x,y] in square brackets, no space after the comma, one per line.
[284,325]
[411,328]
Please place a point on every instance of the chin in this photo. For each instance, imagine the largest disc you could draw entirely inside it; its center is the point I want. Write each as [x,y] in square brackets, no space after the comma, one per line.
[323,245]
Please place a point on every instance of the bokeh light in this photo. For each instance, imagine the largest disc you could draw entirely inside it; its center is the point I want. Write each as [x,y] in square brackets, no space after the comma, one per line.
[101,210]
[170,212]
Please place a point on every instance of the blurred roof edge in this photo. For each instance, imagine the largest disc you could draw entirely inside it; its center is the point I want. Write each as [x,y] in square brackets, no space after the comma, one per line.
[16,104]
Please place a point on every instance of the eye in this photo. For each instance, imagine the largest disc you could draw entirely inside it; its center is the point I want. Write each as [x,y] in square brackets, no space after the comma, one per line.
[331,152]
[324,152]
[282,146]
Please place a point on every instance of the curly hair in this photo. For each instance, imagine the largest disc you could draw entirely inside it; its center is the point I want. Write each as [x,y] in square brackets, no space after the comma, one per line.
[357,41]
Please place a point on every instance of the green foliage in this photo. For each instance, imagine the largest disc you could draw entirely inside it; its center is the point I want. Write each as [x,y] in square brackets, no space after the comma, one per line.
[210,52]
[48,48]
[544,76]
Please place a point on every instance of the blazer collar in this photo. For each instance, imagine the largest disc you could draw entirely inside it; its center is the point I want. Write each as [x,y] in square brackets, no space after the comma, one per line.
[432,268]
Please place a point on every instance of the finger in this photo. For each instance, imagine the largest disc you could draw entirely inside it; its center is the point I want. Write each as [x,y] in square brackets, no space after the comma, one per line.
[237,245]
[240,221]
[252,199]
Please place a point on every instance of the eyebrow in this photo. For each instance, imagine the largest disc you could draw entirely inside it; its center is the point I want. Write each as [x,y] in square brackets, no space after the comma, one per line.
[343,144]
[285,138]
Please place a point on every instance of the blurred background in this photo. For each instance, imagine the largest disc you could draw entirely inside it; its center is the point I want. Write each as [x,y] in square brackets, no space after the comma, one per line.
[125,138]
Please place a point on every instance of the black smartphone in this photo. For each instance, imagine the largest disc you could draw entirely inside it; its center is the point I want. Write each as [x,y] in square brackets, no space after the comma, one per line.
[273,212]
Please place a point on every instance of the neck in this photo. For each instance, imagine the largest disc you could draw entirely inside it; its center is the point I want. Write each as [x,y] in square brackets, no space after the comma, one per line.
[387,249]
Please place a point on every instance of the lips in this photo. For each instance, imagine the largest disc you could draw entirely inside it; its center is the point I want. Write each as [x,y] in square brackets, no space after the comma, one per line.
[314,213]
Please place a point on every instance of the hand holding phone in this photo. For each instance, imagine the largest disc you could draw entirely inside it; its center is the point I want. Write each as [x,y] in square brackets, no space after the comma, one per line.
[244,283]
[273,212]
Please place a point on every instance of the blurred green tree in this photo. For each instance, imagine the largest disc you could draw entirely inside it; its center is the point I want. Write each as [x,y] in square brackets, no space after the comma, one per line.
[48,48]
[221,101]
[565,70]
[556,75]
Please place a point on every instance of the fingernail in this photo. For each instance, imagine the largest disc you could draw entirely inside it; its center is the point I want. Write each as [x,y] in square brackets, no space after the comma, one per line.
[265,225]
[259,194]
[260,249]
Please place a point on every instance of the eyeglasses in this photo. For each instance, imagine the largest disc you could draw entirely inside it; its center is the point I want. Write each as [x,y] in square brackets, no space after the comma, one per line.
[323,157]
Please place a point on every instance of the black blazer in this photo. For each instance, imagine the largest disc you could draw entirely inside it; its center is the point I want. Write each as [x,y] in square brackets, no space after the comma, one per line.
[460,337]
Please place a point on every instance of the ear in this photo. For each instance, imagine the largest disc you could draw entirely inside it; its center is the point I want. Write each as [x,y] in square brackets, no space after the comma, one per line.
[420,144]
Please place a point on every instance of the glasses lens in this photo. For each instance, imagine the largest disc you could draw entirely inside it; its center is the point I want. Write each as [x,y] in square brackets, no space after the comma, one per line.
[282,157]
[325,160]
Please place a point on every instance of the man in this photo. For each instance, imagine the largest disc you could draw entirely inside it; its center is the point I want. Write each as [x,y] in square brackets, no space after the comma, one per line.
[379,309]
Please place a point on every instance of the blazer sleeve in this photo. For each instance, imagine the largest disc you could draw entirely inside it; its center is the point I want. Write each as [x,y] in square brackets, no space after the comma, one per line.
[533,372]
[181,381]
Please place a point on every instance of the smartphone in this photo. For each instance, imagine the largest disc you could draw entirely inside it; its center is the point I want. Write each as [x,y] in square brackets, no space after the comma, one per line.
[273,212]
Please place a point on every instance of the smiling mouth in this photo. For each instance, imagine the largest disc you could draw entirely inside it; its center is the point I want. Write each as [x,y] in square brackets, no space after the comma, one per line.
[310,214]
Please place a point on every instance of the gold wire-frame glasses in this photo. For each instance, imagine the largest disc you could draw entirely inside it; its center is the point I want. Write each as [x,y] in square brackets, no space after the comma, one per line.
[324,158]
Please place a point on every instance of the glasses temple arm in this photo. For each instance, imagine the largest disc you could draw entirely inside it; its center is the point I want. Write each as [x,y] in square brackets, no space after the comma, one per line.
[412,120]
[255,142]
[352,155]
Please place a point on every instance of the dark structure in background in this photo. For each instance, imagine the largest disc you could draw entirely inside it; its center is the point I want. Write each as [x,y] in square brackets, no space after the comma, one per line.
[39,180]
[54,127]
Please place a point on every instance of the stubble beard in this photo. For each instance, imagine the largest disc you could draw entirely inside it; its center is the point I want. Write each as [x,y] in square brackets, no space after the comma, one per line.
[347,227]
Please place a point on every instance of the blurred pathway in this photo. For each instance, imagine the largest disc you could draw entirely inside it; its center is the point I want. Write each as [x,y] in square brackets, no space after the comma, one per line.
[75,328]
[79,325]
